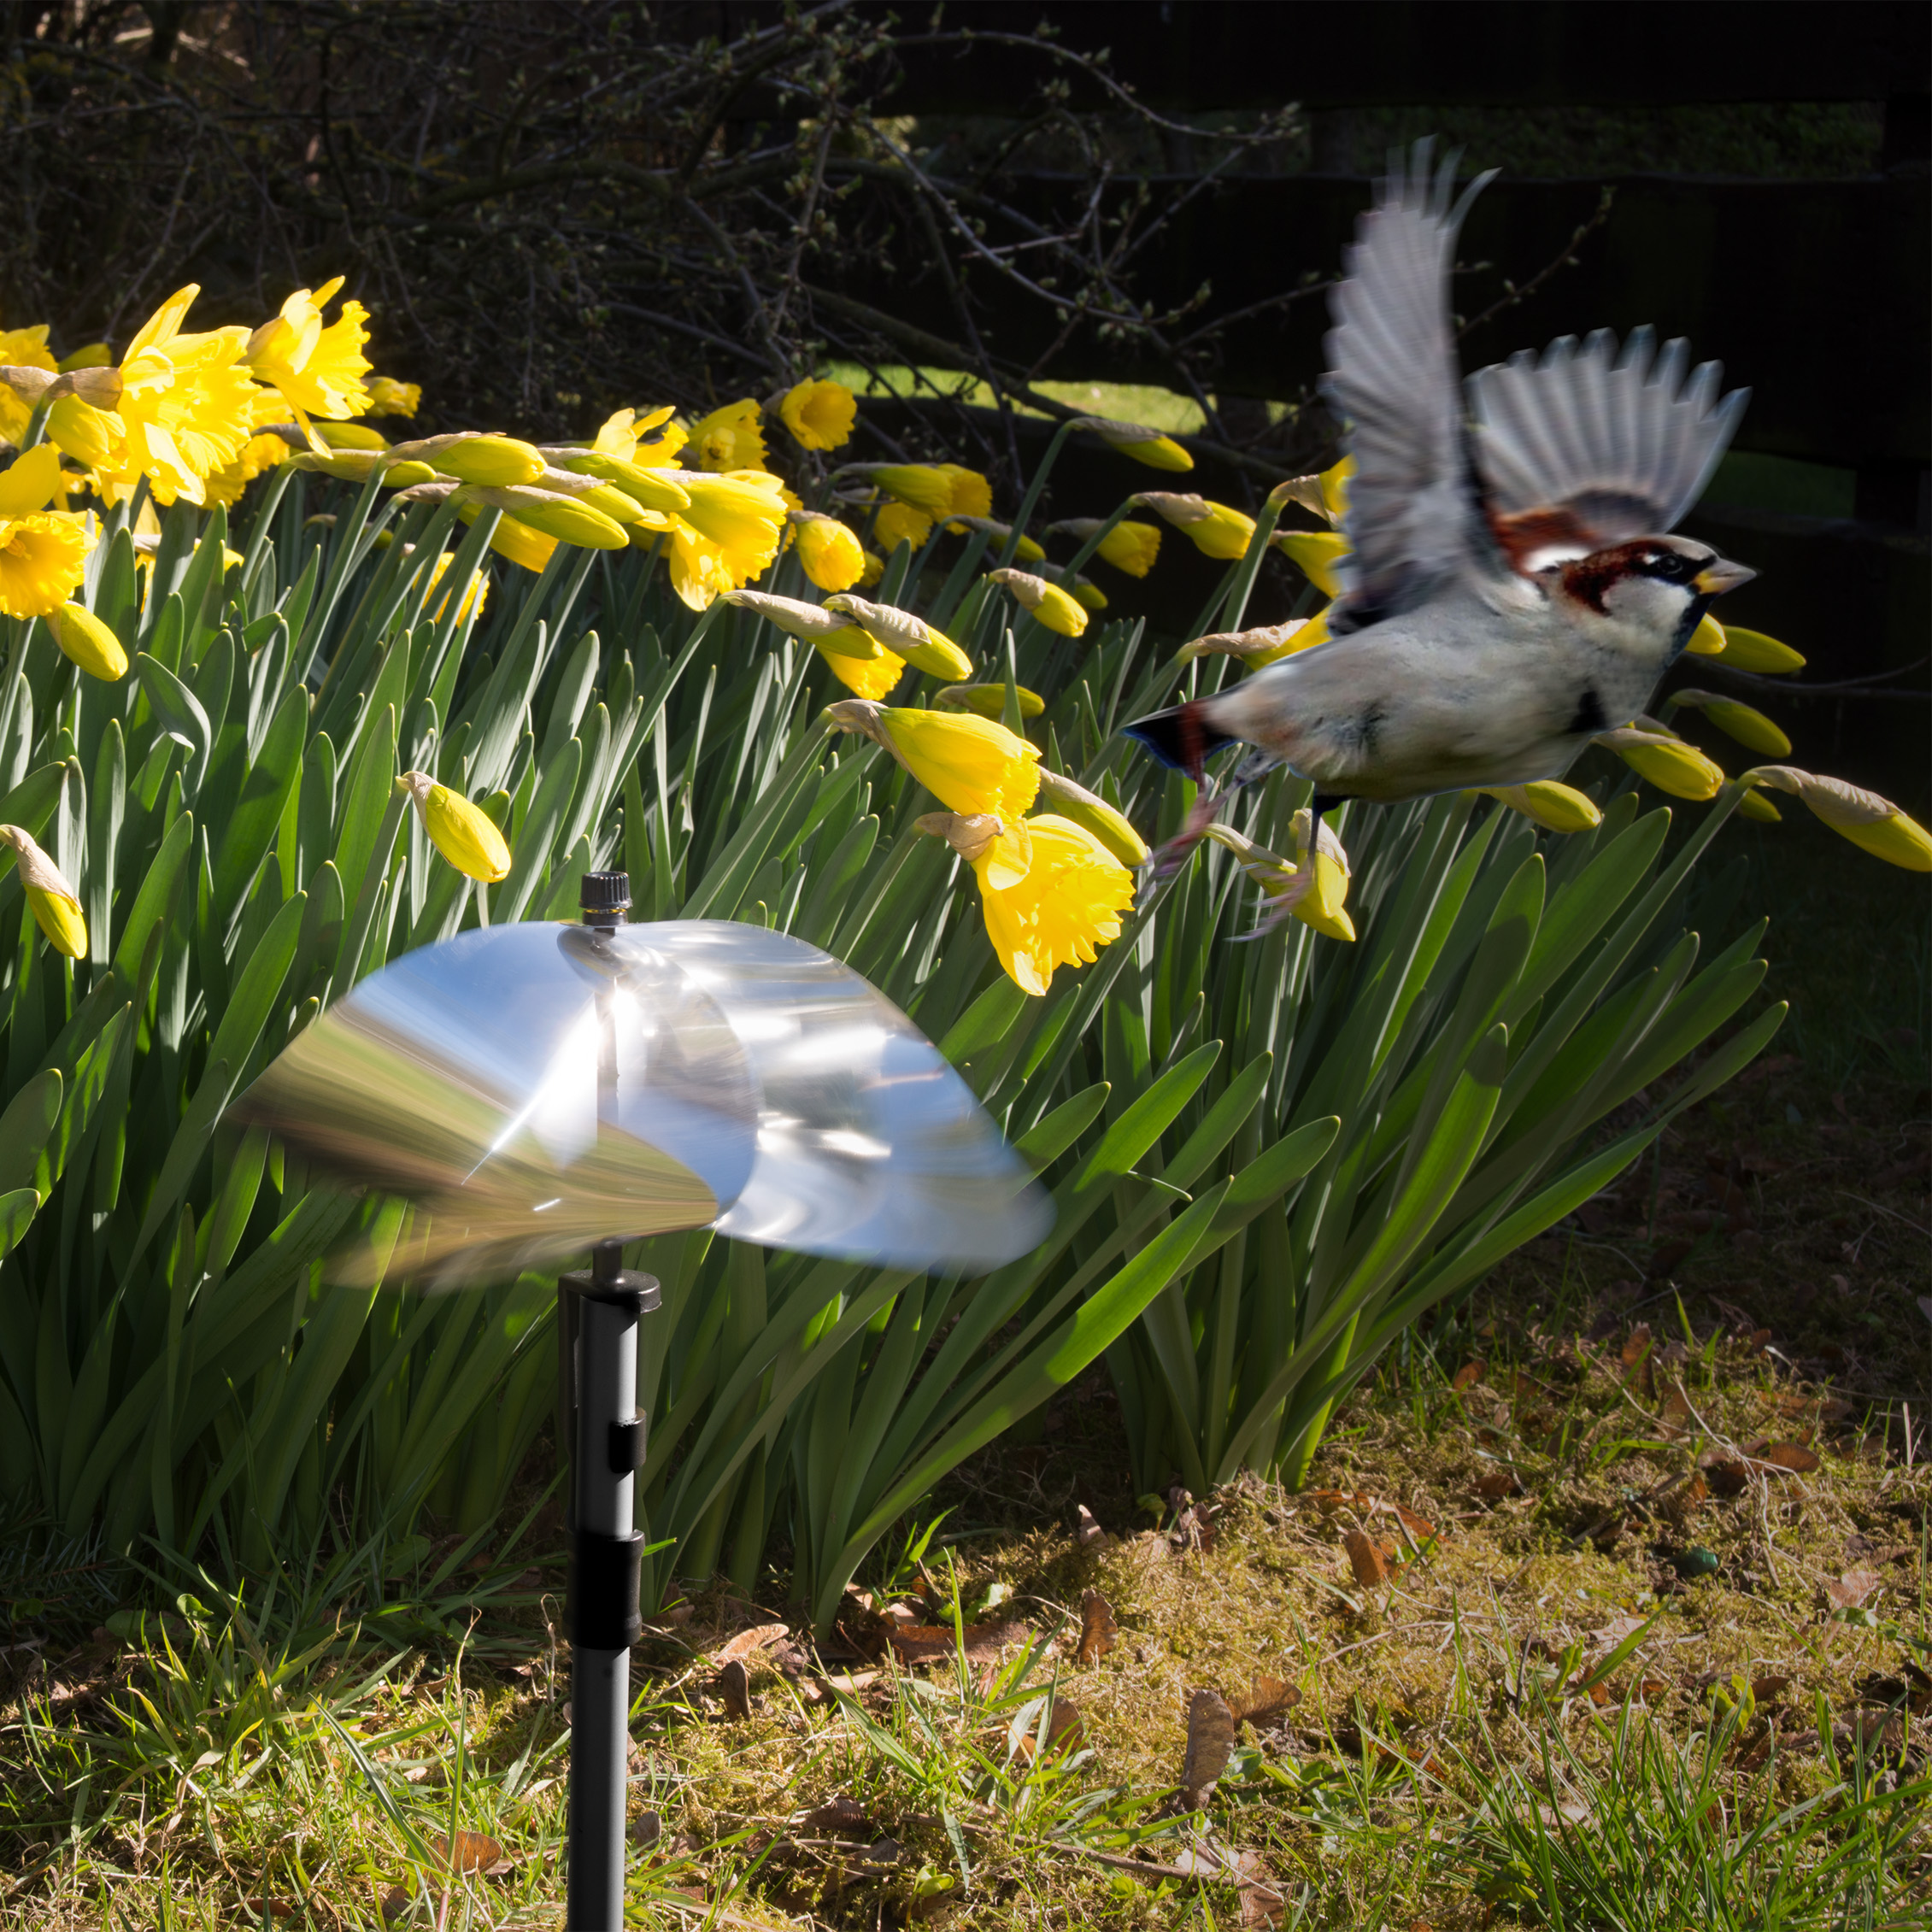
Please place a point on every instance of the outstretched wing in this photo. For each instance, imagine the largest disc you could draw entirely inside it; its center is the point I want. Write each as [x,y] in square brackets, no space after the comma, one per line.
[1413,518]
[1588,448]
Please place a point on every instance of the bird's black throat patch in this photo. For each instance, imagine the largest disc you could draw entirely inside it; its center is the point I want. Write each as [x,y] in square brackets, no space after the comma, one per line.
[1589,718]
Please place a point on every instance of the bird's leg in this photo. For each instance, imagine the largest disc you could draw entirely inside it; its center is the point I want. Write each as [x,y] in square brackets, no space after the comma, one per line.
[1281,905]
[1176,853]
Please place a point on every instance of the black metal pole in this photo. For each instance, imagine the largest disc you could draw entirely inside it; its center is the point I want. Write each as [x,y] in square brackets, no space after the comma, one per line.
[598,1315]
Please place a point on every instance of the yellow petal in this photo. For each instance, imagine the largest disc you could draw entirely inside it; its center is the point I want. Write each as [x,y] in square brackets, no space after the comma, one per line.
[29,483]
[1318,554]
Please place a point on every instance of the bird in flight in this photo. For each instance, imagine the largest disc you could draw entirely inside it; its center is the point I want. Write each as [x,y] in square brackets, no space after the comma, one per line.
[1512,587]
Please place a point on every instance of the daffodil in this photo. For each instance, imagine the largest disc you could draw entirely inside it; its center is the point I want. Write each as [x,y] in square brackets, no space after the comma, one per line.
[918,643]
[473,598]
[1556,807]
[1131,547]
[874,569]
[462,832]
[1026,549]
[969,764]
[620,433]
[24,348]
[729,438]
[1318,554]
[529,549]
[262,452]
[1215,529]
[831,555]
[1873,824]
[89,435]
[899,523]
[856,659]
[1318,901]
[1669,763]
[1144,445]
[499,462]
[820,413]
[56,904]
[387,398]
[1089,810]
[926,487]
[1745,650]
[741,514]
[1749,726]
[971,495]
[184,405]
[566,518]
[1266,644]
[1089,593]
[319,369]
[1061,910]
[89,642]
[989,701]
[42,553]
[1055,608]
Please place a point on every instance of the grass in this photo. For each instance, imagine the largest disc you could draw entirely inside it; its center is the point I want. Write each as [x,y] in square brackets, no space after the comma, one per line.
[1606,1681]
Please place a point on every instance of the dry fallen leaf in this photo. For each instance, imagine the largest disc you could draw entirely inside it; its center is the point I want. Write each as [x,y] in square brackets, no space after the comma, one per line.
[1851,1589]
[758,1637]
[839,1817]
[1790,1457]
[1264,1700]
[1469,1375]
[1065,1731]
[1366,1559]
[1087,1529]
[395,1904]
[1727,1475]
[1211,1743]
[734,1686]
[1768,1690]
[1099,1633]
[1674,1418]
[925,1643]
[1495,1484]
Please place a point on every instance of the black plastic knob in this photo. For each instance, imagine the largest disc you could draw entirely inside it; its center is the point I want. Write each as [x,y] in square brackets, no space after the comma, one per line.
[604,897]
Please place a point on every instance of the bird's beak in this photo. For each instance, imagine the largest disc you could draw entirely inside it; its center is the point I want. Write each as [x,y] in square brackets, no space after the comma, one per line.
[1715,578]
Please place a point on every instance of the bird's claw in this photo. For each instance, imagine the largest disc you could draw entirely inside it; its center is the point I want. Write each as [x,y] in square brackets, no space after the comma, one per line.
[1281,905]
[1170,858]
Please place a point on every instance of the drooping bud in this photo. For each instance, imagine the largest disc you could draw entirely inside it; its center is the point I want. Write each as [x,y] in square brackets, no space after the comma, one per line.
[1873,824]
[56,904]
[462,832]
[1144,445]
[1750,727]
[1556,807]
[1106,822]
[89,642]
[1055,608]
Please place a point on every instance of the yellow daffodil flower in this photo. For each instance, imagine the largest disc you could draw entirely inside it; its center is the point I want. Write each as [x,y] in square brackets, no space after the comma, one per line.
[318,369]
[831,555]
[989,701]
[89,435]
[387,398]
[969,493]
[1750,727]
[474,598]
[1543,801]
[857,660]
[1026,550]
[1144,445]
[899,523]
[56,904]
[1092,812]
[528,549]
[969,764]
[1669,763]
[1062,911]
[262,451]
[1216,530]
[1321,904]
[875,569]
[1131,547]
[742,514]
[24,348]
[1318,554]
[462,832]
[1873,824]
[42,553]
[89,642]
[915,640]
[498,462]
[926,487]
[649,488]
[1055,608]
[729,438]
[820,413]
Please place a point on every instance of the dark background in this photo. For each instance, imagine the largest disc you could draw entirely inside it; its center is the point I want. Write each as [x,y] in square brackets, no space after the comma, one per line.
[554,207]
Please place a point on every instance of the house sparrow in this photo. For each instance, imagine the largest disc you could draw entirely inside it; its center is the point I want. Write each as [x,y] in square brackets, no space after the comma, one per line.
[1511,589]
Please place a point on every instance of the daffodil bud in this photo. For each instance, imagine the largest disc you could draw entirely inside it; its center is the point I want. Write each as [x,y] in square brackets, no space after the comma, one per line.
[1755,804]
[924,486]
[1873,824]
[818,624]
[351,436]
[89,642]
[1745,650]
[27,380]
[829,553]
[404,476]
[650,489]
[910,635]
[968,763]
[1749,727]
[1318,554]
[1318,903]
[1670,764]
[1556,807]
[1089,593]
[1110,825]
[387,398]
[1216,530]
[1329,887]
[1707,640]
[1055,608]
[1001,853]
[1131,547]
[462,832]
[1307,491]
[561,517]
[346,466]
[1144,445]
[1026,550]
[1266,644]
[470,456]
[618,505]
[56,904]
[989,701]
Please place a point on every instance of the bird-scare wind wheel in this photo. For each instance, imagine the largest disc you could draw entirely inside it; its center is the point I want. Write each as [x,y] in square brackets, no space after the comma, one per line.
[534,1091]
